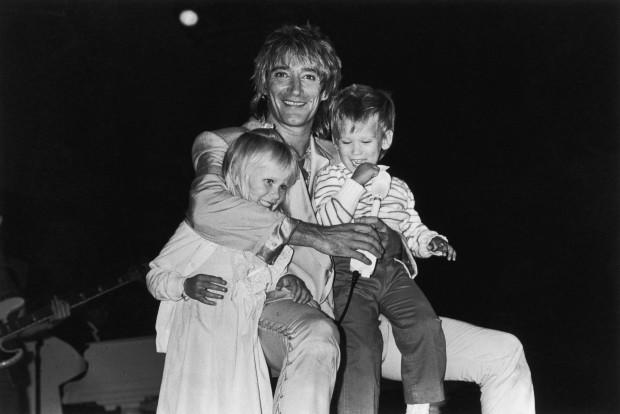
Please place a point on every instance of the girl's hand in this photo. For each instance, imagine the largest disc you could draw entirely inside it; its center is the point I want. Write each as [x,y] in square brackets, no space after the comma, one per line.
[202,288]
[364,172]
[296,286]
[438,244]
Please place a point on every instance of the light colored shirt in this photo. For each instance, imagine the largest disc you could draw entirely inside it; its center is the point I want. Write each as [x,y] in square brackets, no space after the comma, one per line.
[212,352]
[340,199]
[231,221]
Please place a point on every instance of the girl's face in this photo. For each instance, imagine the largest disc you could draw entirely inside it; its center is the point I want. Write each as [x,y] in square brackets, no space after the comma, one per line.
[268,184]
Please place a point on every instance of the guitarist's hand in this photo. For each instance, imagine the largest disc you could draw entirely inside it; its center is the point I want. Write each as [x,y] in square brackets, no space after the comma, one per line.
[60,309]
[202,288]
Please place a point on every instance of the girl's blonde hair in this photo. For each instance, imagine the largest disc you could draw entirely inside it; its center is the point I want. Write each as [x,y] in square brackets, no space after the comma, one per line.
[251,150]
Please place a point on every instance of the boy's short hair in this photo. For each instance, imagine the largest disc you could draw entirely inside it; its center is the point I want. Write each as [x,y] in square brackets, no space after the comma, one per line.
[358,103]
[251,149]
[304,43]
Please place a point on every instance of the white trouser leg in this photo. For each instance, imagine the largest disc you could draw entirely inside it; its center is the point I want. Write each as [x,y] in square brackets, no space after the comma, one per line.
[492,359]
[302,344]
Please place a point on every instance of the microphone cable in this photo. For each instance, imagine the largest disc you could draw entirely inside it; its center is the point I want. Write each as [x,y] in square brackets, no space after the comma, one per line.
[355,275]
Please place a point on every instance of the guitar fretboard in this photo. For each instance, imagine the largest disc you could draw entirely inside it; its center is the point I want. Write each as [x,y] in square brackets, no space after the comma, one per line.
[19,324]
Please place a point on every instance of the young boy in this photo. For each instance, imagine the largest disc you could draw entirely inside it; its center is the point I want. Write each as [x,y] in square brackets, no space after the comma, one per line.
[362,120]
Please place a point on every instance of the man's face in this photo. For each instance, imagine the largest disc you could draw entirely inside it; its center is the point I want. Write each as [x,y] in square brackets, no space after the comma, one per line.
[294,93]
[362,142]
[268,184]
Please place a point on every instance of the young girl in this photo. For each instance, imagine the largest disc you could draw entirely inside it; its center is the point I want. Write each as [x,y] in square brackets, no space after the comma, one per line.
[214,362]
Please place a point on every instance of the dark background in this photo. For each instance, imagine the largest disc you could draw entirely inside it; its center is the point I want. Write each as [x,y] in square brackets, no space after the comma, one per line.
[507,131]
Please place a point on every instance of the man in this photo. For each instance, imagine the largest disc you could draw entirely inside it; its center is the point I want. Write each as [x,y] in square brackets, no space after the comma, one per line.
[14,370]
[296,73]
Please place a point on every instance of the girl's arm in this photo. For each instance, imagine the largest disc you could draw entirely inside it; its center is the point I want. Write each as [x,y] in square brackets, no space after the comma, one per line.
[178,260]
[164,284]
[219,216]
[231,221]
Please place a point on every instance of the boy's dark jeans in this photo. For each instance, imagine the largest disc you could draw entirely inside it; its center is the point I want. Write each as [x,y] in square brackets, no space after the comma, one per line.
[417,332]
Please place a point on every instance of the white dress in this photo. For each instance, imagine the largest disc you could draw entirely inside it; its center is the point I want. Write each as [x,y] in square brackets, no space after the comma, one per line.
[214,362]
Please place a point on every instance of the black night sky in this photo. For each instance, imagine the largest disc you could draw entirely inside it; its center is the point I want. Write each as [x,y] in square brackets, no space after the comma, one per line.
[507,131]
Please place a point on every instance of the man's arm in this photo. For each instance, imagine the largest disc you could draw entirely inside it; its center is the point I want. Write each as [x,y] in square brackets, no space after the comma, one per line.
[342,240]
[334,205]
[231,221]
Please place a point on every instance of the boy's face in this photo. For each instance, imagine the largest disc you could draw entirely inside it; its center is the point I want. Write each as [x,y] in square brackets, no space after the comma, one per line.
[268,184]
[362,142]
[294,93]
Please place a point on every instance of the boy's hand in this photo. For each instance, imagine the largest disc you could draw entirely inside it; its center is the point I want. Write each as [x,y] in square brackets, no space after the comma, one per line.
[438,244]
[364,172]
[200,288]
[296,286]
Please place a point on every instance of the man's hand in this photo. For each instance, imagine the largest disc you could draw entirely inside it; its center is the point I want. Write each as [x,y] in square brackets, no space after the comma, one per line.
[342,240]
[296,286]
[202,287]
[390,239]
[438,244]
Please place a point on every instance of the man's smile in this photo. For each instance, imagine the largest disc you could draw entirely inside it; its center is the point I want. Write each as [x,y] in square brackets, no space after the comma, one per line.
[293,103]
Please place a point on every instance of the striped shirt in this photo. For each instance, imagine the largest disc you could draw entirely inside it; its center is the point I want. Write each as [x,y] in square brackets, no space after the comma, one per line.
[340,199]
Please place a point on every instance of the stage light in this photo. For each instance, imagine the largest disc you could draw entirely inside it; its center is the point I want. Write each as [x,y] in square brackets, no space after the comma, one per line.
[188,18]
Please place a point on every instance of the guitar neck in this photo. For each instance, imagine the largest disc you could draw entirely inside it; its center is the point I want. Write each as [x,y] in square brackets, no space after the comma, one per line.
[22,323]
